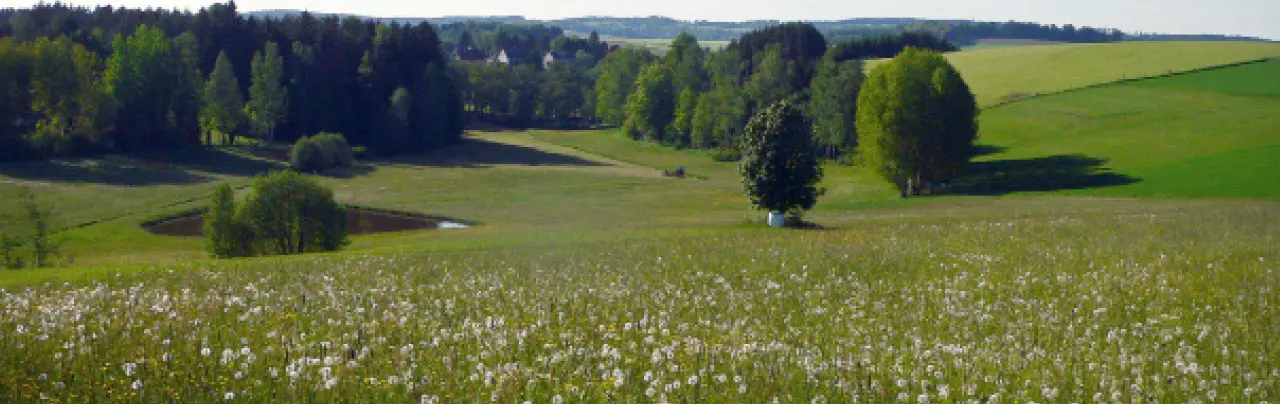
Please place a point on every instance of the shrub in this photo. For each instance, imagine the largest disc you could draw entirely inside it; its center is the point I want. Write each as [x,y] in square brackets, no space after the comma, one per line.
[319,152]
[40,242]
[289,213]
[336,146]
[726,155]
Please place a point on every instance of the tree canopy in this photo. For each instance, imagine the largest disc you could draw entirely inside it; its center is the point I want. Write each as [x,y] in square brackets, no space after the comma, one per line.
[779,168]
[916,121]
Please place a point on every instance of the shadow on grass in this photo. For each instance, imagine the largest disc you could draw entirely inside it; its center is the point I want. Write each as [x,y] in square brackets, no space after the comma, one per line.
[349,172]
[192,166]
[987,149]
[474,153]
[1052,173]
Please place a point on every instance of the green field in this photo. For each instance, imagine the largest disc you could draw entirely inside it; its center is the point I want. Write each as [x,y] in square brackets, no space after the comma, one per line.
[1112,243]
[661,45]
[1009,73]
[995,43]
[1205,134]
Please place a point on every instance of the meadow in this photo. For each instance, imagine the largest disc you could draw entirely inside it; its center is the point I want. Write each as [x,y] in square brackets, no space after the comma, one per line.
[1114,243]
[1079,300]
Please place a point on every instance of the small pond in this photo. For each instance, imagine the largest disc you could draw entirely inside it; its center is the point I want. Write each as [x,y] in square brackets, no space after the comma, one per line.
[359,221]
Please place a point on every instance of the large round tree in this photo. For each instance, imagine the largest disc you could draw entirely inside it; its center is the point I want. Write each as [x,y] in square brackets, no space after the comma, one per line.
[917,121]
[779,167]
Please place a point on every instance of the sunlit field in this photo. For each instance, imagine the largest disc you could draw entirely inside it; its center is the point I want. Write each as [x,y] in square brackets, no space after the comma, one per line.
[1085,300]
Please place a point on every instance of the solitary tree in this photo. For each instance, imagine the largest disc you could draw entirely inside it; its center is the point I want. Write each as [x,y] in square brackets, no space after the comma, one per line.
[223,106]
[266,93]
[780,171]
[290,214]
[917,121]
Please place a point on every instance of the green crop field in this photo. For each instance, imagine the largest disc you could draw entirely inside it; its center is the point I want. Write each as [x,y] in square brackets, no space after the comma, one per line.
[1211,133]
[1112,243]
[1008,73]
[661,45]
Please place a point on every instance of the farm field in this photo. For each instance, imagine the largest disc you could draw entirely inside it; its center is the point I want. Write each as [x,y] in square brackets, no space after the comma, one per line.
[995,43]
[660,46]
[1202,134]
[1113,243]
[1010,73]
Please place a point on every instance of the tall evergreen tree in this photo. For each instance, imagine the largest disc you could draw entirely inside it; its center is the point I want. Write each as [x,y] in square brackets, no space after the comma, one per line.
[267,94]
[223,110]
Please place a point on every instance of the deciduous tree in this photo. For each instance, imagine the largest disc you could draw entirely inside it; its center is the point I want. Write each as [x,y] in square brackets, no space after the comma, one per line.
[223,110]
[780,171]
[916,121]
[267,93]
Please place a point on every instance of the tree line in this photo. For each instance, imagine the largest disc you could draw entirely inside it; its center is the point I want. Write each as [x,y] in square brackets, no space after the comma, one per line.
[691,97]
[79,81]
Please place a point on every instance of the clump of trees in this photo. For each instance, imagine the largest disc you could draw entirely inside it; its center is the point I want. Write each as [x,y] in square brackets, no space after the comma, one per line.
[320,152]
[780,170]
[284,213]
[916,121]
[76,81]
[36,247]
[692,97]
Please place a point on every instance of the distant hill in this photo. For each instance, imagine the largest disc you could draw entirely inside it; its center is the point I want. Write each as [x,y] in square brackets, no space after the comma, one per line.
[961,32]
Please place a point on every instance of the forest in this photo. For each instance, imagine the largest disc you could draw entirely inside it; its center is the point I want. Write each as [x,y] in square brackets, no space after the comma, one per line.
[80,82]
[77,81]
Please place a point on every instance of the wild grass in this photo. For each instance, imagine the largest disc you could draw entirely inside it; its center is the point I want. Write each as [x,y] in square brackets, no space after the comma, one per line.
[1082,300]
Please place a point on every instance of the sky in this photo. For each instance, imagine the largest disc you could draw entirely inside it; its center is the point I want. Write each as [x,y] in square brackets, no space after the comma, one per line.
[1260,18]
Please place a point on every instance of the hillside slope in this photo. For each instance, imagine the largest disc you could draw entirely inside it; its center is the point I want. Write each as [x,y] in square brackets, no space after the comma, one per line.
[1205,134]
[1003,74]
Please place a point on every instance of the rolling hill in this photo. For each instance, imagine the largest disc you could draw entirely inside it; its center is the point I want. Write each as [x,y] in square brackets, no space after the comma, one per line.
[1006,74]
[1211,133]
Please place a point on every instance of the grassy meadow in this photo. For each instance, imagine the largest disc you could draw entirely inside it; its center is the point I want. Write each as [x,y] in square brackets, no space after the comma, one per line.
[1115,243]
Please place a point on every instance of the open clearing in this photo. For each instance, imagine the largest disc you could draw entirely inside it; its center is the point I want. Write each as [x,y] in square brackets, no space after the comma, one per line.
[993,43]
[1120,245]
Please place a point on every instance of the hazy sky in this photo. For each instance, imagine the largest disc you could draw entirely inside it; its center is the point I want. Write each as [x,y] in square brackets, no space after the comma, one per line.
[1240,17]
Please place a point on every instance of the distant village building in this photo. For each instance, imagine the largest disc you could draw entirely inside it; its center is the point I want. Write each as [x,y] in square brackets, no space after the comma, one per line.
[551,58]
[502,58]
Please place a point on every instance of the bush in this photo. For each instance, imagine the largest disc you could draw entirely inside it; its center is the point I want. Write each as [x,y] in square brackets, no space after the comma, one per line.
[726,155]
[320,152]
[43,247]
[336,146]
[308,156]
[285,213]
[289,213]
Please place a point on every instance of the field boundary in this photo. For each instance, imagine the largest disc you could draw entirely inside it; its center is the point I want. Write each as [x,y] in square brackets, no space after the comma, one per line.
[1132,80]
